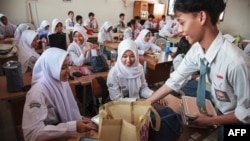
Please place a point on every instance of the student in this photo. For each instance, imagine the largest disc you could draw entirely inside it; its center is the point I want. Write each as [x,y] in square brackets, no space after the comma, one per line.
[7,29]
[50,110]
[162,21]
[78,21]
[126,80]
[170,29]
[121,26]
[70,21]
[43,30]
[129,32]
[138,25]
[105,36]
[19,30]
[80,50]
[145,46]
[91,22]
[149,24]
[27,54]
[229,67]
[57,28]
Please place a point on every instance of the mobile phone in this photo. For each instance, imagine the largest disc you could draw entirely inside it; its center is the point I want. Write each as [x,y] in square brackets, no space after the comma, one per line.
[87,139]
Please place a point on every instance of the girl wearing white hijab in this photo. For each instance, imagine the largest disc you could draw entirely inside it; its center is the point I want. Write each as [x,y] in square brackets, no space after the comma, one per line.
[50,111]
[105,35]
[27,54]
[126,80]
[43,30]
[19,31]
[57,27]
[7,29]
[145,46]
[80,50]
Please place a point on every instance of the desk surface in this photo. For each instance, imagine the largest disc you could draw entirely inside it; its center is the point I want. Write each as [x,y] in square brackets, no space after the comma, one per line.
[95,35]
[5,95]
[111,46]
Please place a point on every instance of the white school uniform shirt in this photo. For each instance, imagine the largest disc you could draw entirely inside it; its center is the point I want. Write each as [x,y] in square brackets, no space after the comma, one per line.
[6,30]
[148,24]
[128,33]
[69,22]
[103,34]
[50,110]
[27,55]
[75,50]
[229,75]
[247,49]
[127,83]
[162,23]
[145,46]
[92,24]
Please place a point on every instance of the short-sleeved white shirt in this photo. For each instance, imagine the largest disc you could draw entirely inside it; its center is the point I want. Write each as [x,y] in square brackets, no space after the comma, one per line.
[229,75]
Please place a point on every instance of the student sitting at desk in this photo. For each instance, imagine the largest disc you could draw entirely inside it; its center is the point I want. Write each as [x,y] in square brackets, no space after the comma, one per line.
[80,50]
[19,30]
[129,32]
[126,80]
[57,28]
[43,30]
[70,21]
[50,110]
[91,22]
[27,54]
[105,36]
[145,46]
[7,29]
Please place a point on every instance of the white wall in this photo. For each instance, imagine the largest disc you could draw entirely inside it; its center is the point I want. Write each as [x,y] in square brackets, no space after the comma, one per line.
[236,18]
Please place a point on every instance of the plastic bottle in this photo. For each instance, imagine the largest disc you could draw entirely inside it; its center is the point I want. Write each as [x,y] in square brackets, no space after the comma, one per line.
[167,48]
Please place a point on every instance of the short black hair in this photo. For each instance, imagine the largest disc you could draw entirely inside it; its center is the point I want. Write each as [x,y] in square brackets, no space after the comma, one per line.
[183,46]
[213,7]
[78,17]
[70,12]
[151,16]
[163,16]
[122,14]
[131,22]
[137,18]
[91,14]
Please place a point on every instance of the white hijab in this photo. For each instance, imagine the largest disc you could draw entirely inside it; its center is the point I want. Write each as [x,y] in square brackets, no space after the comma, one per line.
[81,30]
[103,35]
[25,51]
[19,31]
[47,72]
[53,26]
[43,24]
[140,40]
[1,15]
[132,74]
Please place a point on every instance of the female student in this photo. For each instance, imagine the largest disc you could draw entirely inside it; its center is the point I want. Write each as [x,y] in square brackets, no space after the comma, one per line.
[43,30]
[105,36]
[126,80]
[17,35]
[229,67]
[27,54]
[145,46]
[57,28]
[80,50]
[50,110]
[7,29]
[129,32]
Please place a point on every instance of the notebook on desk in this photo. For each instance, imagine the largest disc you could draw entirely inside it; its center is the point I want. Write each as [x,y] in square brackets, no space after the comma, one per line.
[58,40]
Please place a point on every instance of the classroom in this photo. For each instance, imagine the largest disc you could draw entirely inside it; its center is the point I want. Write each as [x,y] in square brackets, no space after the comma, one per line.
[156,68]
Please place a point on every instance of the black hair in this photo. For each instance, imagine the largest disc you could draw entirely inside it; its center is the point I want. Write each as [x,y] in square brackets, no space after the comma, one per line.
[213,7]
[137,18]
[183,46]
[91,14]
[151,16]
[70,12]
[78,17]
[122,14]
[131,22]
[163,16]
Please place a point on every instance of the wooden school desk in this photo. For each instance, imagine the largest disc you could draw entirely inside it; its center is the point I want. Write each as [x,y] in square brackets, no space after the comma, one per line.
[157,67]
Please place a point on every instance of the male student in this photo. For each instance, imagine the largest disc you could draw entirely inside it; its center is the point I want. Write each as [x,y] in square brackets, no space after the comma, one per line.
[228,67]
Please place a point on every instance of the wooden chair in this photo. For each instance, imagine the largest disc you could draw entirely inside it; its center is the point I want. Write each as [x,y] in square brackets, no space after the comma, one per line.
[97,91]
